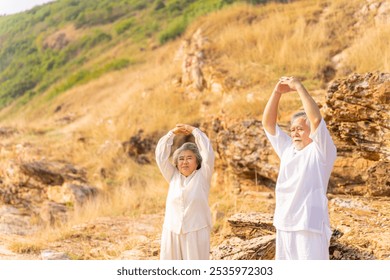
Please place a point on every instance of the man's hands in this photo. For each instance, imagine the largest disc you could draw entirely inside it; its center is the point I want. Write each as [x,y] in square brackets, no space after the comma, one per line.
[287,84]
[184,129]
[270,113]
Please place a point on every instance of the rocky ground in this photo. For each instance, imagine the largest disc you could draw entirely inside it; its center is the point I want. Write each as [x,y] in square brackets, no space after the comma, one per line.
[103,238]
[364,225]
[361,230]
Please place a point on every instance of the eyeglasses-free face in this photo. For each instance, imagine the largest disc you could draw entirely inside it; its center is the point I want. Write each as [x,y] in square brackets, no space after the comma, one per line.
[300,132]
[186,162]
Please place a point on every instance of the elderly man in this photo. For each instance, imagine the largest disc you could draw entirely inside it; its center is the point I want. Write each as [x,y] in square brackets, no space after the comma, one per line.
[306,157]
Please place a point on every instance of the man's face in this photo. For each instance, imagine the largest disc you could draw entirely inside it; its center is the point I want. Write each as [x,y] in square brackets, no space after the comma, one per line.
[300,132]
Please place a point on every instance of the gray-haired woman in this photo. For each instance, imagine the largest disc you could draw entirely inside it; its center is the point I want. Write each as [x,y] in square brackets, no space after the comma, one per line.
[187,223]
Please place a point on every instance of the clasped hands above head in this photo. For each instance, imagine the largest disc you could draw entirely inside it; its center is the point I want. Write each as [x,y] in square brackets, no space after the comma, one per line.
[287,84]
[184,129]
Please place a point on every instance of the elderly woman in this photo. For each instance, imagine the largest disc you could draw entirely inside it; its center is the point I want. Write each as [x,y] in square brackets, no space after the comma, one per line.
[187,223]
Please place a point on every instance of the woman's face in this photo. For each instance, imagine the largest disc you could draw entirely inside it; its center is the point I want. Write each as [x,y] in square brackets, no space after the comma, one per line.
[186,162]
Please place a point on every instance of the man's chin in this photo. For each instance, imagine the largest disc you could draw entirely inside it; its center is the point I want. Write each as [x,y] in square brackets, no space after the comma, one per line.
[298,147]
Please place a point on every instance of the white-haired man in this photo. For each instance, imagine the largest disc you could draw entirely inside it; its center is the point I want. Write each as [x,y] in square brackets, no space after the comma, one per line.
[306,157]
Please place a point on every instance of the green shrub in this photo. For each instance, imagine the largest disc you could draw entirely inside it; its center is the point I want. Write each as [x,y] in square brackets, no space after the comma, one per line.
[158,5]
[174,29]
[91,41]
[123,25]
[117,64]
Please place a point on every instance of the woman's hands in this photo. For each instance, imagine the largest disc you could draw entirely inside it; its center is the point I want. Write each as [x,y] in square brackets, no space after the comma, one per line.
[184,129]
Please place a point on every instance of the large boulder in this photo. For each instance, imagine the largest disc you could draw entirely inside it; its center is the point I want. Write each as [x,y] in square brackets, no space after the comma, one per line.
[358,116]
[244,150]
[252,238]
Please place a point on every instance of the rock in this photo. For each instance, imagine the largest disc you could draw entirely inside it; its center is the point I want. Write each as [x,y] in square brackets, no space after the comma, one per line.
[337,254]
[52,255]
[341,251]
[258,248]
[52,173]
[8,131]
[383,14]
[250,225]
[253,239]
[379,179]
[349,203]
[15,221]
[243,149]
[71,193]
[138,147]
[358,116]
[53,213]
[41,191]
[192,54]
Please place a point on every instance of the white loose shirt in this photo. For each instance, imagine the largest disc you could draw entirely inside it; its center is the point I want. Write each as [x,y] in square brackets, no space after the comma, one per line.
[301,202]
[187,207]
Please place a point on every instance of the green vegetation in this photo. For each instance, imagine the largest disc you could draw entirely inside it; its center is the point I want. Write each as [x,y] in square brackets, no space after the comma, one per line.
[83,76]
[37,54]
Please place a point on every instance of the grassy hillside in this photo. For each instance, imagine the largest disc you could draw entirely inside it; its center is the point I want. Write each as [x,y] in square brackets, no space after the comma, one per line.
[58,45]
[78,96]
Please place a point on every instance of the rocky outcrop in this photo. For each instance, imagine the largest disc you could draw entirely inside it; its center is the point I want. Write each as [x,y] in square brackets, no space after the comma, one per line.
[250,225]
[52,173]
[358,116]
[139,147]
[15,221]
[244,150]
[253,238]
[40,192]
[191,52]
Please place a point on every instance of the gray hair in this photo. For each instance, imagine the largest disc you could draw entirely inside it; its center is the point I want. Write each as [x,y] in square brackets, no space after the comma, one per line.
[188,146]
[301,114]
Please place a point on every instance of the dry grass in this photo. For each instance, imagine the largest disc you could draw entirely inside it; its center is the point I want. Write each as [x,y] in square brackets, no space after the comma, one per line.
[30,247]
[372,52]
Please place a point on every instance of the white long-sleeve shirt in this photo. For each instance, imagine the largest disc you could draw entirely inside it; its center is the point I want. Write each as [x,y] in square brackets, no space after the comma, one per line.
[301,202]
[187,207]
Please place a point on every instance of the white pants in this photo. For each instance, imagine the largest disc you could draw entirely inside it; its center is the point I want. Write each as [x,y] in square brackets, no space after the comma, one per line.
[302,245]
[193,245]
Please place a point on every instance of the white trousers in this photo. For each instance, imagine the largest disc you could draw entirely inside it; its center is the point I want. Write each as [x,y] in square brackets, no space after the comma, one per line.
[302,245]
[189,246]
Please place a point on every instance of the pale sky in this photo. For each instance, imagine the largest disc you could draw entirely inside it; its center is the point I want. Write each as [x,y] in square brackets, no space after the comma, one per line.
[16,6]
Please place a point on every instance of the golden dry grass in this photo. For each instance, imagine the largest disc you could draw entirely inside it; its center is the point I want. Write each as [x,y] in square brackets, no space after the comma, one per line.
[371,52]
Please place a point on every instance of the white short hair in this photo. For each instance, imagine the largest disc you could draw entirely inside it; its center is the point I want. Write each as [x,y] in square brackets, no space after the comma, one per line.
[301,114]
